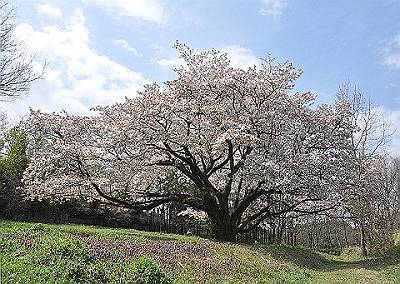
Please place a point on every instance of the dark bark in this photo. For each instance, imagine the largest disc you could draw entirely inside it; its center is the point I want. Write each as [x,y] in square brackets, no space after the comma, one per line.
[223,230]
[224,227]
[363,243]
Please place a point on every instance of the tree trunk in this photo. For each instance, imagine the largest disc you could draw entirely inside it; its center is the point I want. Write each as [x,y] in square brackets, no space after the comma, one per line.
[223,227]
[346,242]
[363,243]
[222,224]
[224,232]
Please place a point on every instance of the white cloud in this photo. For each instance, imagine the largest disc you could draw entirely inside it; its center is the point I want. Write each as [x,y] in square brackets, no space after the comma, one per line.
[170,63]
[78,77]
[149,10]
[240,57]
[125,45]
[158,48]
[391,53]
[49,10]
[273,7]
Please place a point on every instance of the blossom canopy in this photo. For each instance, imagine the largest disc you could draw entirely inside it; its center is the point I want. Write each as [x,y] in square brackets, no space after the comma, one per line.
[236,144]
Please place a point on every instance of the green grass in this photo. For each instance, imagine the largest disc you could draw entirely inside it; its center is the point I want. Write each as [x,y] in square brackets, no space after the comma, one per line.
[42,253]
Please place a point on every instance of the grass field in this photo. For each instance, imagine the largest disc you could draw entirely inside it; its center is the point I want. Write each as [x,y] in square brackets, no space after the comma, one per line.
[41,253]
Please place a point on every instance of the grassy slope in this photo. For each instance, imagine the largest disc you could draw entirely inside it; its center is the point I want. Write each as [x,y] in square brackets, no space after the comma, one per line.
[38,253]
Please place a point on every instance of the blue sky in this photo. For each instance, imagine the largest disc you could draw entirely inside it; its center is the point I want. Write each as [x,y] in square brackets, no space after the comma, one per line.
[101,51]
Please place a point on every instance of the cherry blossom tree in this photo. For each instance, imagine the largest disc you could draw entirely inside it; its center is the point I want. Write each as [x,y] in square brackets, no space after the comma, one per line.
[236,144]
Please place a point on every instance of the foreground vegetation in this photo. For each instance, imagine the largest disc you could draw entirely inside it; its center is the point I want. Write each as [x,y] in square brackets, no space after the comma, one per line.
[41,253]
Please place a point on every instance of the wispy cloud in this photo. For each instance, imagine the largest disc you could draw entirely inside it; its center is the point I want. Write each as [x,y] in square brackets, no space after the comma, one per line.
[125,45]
[239,57]
[273,7]
[49,10]
[391,53]
[170,63]
[148,10]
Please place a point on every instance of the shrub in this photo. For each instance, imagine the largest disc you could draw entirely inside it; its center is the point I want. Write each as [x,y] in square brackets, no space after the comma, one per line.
[39,227]
[381,245]
[78,272]
[72,249]
[51,249]
[351,253]
[146,271]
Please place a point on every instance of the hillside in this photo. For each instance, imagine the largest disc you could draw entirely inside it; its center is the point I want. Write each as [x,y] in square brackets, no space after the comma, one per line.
[41,253]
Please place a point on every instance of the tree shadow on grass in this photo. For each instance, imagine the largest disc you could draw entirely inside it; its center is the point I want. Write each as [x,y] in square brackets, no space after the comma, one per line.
[304,257]
[132,234]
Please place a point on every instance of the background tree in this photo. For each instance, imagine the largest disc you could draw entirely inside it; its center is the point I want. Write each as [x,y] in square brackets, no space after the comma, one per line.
[381,202]
[16,65]
[236,143]
[13,163]
[16,73]
[369,135]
